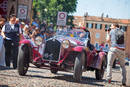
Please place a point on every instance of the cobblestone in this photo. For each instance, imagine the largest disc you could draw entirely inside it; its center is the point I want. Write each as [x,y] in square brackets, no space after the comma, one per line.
[44,78]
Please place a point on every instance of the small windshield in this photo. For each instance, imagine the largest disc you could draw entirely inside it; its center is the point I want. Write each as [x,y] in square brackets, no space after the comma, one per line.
[76,33]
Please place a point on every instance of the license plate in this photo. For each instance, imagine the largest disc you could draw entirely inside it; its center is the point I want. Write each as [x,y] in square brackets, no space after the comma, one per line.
[47,64]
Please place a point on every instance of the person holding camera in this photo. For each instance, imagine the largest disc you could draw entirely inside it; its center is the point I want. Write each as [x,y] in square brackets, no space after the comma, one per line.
[117,50]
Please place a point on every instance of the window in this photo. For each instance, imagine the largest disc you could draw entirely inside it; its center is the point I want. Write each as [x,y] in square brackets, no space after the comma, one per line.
[120,27]
[90,25]
[124,28]
[95,26]
[87,25]
[98,26]
[106,26]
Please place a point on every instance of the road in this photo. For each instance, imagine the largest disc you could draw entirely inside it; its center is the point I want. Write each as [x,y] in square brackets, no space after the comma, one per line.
[44,78]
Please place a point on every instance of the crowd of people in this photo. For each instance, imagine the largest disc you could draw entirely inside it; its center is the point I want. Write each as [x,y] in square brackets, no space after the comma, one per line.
[13,30]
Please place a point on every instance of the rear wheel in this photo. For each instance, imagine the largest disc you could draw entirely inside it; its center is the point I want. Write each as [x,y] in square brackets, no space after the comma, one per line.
[53,69]
[78,66]
[100,73]
[23,59]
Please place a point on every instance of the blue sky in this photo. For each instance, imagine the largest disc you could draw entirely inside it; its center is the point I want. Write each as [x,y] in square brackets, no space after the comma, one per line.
[114,8]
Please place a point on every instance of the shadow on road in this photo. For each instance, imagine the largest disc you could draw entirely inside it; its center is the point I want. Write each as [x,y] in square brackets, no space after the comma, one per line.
[69,78]
[4,86]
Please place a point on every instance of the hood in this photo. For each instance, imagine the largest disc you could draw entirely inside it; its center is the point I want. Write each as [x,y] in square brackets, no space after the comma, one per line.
[71,39]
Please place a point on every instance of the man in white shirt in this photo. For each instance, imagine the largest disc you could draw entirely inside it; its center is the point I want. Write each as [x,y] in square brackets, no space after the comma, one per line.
[11,33]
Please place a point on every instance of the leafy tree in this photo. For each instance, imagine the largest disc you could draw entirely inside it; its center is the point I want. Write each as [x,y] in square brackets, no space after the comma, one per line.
[48,9]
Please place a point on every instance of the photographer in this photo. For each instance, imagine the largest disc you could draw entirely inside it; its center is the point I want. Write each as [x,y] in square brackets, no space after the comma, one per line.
[117,50]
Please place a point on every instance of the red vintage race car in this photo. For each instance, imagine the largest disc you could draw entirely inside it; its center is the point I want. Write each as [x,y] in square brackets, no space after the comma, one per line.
[65,51]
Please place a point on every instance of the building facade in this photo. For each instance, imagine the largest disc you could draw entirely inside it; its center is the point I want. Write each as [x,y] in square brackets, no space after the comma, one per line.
[98,26]
[22,8]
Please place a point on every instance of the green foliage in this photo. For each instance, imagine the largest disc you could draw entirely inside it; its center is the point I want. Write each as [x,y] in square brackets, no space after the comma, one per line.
[48,9]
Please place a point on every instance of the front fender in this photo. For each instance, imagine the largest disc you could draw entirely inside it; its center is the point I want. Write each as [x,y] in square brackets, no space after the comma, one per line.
[101,58]
[24,42]
[78,49]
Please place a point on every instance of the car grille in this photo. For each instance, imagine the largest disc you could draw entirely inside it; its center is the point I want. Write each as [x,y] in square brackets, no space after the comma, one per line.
[52,50]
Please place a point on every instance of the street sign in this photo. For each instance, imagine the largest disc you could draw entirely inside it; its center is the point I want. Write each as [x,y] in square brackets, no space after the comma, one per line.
[22,11]
[61,18]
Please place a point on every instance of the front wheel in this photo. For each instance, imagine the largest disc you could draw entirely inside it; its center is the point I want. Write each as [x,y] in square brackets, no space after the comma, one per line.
[100,73]
[54,71]
[23,59]
[78,66]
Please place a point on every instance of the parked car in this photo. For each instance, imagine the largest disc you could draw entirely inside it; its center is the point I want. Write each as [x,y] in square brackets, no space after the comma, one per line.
[65,51]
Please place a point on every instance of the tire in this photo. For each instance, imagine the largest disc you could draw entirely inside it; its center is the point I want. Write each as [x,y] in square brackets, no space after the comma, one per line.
[23,59]
[54,71]
[78,67]
[100,73]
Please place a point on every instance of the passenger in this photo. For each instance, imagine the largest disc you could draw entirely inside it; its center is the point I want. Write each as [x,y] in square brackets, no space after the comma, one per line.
[91,47]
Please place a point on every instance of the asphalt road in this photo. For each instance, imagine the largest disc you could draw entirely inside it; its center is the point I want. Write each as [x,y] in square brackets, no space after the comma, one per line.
[44,78]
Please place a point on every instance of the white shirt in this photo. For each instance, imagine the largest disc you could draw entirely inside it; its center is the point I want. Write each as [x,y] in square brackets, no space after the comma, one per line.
[12,26]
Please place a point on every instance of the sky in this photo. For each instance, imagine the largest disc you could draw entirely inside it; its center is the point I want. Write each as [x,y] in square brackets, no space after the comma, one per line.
[114,8]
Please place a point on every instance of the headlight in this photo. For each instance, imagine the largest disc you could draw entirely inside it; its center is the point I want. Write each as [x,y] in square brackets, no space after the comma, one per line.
[38,40]
[65,44]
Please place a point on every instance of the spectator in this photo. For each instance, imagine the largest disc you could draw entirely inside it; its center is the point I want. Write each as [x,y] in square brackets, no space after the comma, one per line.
[10,33]
[22,24]
[33,27]
[2,51]
[17,21]
[26,34]
[116,51]
[51,28]
[102,46]
[35,33]
[2,22]
[43,26]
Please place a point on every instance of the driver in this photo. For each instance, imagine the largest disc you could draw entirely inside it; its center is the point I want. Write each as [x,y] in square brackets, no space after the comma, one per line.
[90,46]
[81,35]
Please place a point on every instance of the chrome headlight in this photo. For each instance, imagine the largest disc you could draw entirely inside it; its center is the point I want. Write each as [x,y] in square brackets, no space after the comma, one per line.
[65,44]
[38,40]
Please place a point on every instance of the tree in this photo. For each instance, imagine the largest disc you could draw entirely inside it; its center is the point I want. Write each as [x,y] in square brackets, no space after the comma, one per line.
[48,9]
